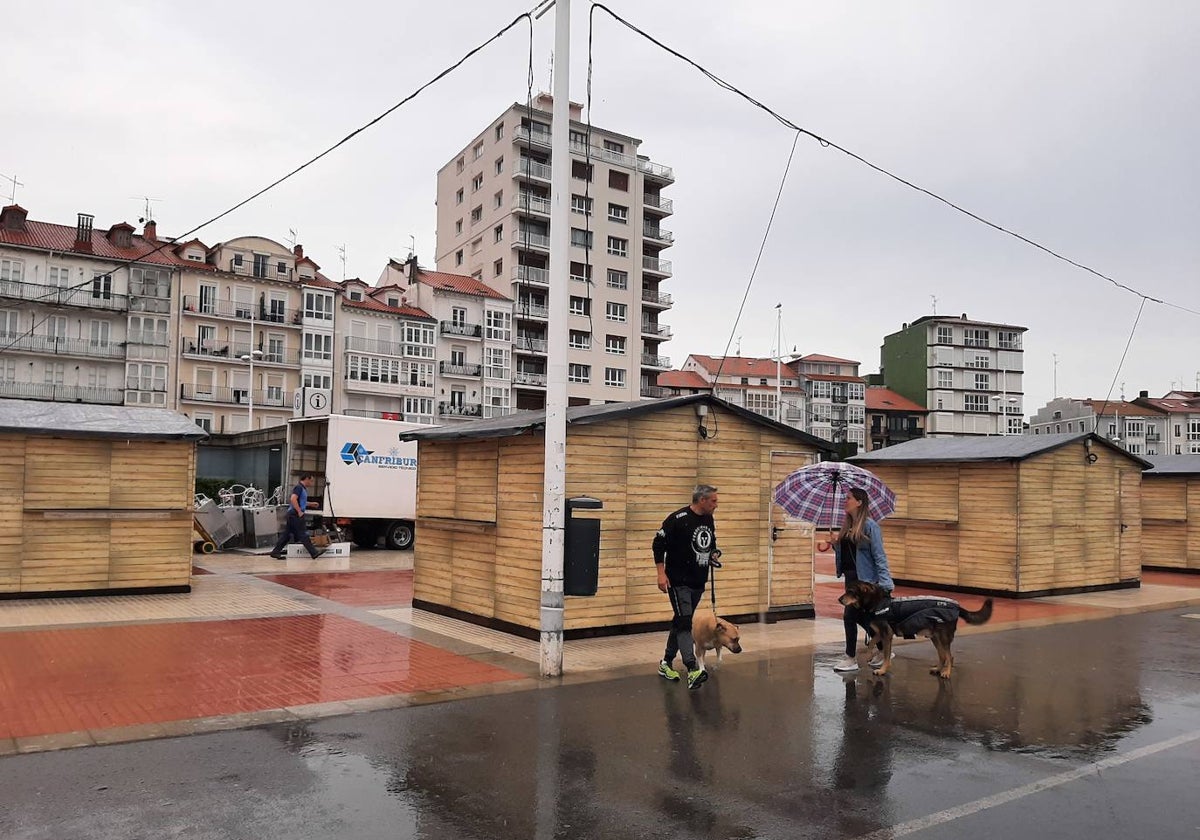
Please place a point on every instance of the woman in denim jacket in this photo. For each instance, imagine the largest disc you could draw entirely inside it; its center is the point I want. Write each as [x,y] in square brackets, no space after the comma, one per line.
[859,555]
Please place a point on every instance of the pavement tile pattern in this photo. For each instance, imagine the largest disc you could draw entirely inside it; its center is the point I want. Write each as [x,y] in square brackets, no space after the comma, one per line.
[359,589]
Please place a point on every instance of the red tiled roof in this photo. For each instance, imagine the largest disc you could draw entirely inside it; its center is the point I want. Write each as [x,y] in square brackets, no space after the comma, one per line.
[458,283]
[741,366]
[50,237]
[831,377]
[885,399]
[1126,409]
[1173,406]
[682,379]
[375,306]
[817,357]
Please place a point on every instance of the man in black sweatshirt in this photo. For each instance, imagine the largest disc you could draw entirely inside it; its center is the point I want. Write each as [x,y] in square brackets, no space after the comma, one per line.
[684,548]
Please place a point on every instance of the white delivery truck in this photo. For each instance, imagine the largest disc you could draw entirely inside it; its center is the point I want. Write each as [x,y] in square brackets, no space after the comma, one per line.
[364,478]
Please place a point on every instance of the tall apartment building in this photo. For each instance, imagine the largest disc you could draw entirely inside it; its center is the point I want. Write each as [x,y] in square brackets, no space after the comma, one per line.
[493,223]
[88,316]
[968,374]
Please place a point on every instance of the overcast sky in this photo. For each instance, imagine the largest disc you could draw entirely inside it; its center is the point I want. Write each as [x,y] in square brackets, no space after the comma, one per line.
[1076,124]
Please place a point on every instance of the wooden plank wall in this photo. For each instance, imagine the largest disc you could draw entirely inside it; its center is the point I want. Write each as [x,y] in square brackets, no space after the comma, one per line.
[987,526]
[921,538]
[1166,521]
[79,515]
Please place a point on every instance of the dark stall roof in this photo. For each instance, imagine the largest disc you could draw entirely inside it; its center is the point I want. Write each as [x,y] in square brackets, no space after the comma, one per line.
[30,417]
[993,448]
[522,422]
[1173,465]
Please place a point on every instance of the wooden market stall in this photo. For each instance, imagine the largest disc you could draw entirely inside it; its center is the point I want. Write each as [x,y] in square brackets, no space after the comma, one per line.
[1171,513]
[95,499]
[479,512]
[1021,516]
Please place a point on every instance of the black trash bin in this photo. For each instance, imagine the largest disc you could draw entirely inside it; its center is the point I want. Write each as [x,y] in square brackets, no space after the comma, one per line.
[581,552]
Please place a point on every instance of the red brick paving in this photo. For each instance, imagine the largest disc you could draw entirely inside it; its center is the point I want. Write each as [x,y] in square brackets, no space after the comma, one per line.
[67,680]
[357,589]
[1189,579]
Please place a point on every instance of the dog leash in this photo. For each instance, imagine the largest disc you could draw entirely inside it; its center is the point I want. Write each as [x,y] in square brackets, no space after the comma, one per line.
[714,563]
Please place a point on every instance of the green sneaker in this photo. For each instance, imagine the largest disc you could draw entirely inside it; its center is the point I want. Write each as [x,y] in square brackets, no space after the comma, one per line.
[696,678]
[667,672]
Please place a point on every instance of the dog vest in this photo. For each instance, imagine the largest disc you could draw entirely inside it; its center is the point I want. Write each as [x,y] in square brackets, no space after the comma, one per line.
[910,614]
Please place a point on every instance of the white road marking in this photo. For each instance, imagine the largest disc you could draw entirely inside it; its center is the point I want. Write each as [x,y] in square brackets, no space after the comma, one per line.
[966,809]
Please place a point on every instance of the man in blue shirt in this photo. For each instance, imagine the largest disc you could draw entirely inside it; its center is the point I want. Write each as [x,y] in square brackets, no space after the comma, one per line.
[296,528]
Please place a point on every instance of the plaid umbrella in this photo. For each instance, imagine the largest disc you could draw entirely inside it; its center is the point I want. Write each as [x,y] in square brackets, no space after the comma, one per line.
[817,492]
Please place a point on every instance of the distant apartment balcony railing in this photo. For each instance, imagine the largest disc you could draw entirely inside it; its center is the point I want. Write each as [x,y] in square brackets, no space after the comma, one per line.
[134,383]
[451,409]
[531,203]
[529,345]
[87,296]
[229,396]
[374,415]
[358,344]
[656,265]
[654,391]
[658,202]
[657,298]
[531,310]
[62,393]
[655,170]
[651,360]
[53,345]
[840,399]
[793,414]
[461,329]
[533,169]
[1153,437]
[229,351]
[155,306]
[523,239]
[656,330]
[655,232]
[259,270]
[466,369]
[151,337]
[241,310]
[540,136]
[536,380]
[531,275]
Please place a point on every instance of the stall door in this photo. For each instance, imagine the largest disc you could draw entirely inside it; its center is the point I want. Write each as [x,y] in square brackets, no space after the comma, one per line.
[789,544]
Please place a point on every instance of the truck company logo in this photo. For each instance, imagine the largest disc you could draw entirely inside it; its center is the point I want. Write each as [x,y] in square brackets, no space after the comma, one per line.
[355,453]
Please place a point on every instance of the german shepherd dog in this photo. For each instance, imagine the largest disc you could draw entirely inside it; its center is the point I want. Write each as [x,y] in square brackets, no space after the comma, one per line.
[936,618]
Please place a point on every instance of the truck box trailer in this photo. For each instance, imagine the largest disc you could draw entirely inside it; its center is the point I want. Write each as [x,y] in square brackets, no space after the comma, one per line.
[364,478]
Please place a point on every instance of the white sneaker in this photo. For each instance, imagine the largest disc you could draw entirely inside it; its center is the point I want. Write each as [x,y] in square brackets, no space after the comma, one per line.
[877,659]
[847,664]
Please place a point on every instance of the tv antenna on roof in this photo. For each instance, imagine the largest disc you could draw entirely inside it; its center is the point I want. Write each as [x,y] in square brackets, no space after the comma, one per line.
[292,238]
[412,249]
[12,179]
[342,253]
[147,208]
[934,299]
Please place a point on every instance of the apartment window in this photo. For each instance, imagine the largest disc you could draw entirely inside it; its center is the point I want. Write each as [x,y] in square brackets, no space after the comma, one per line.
[496,401]
[1135,428]
[945,335]
[498,233]
[458,257]
[613,146]
[977,360]
[581,272]
[614,377]
[318,380]
[59,276]
[13,270]
[460,165]
[499,165]
[318,306]
[498,200]
[983,382]
[458,227]
[102,287]
[618,247]
[477,215]
[581,238]
[144,377]
[575,373]
[615,344]
[498,324]
[497,268]
[581,170]
[618,279]
[579,340]
[458,196]
[615,311]
[54,373]
[477,151]
[582,205]
[975,402]
[580,305]
[1193,432]
[618,180]
[1008,339]
[945,379]
[476,245]
[975,338]
[618,214]
[943,356]
[499,132]
[317,346]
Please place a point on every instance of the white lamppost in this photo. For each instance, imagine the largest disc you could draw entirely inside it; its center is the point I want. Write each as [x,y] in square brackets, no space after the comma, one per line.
[250,357]
[1002,404]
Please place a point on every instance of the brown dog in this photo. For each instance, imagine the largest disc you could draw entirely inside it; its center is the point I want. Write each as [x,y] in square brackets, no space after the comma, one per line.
[712,633]
[936,618]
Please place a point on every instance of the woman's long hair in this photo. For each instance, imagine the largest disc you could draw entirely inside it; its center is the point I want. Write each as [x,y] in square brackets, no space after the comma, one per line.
[854,524]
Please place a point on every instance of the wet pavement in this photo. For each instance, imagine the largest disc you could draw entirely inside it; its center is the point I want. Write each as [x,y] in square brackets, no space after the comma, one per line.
[1086,729]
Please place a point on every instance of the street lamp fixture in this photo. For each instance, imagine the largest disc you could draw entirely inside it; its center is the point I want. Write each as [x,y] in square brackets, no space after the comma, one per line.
[251,357]
[1002,421]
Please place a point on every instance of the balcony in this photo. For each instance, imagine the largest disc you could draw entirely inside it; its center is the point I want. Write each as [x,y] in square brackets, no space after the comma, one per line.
[241,311]
[656,171]
[229,352]
[656,298]
[531,276]
[452,409]
[528,344]
[656,233]
[85,296]
[653,361]
[466,369]
[531,311]
[259,270]
[533,169]
[1153,437]
[149,337]
[654,391]
[152,305]
[656,265]
[62,393]
[534,136]
[657,202]
[358,344]
[530,203]
[461,330]
[528,239]
[55,346]
[391,386]
[527,379]
[659,331]
[374,415]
